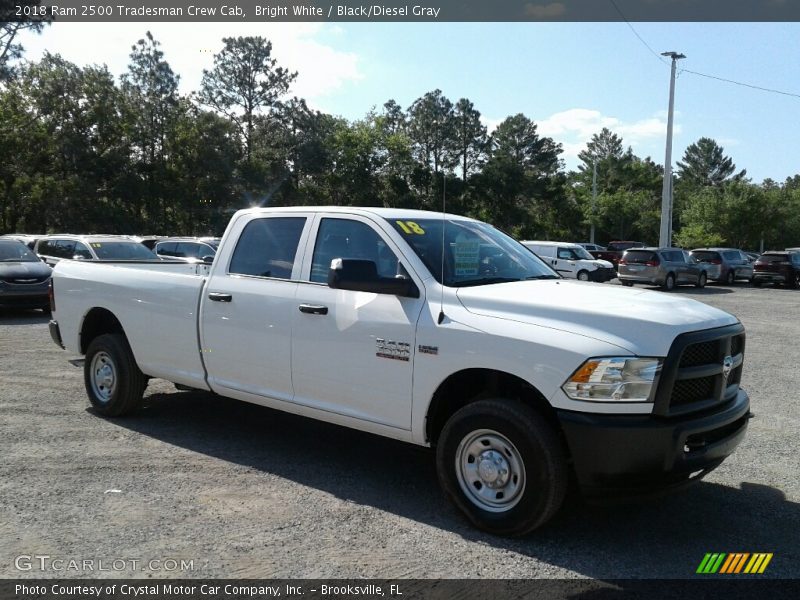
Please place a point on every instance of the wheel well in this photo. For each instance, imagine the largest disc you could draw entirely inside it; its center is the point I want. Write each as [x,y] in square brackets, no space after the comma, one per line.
[471,385]
[98,321]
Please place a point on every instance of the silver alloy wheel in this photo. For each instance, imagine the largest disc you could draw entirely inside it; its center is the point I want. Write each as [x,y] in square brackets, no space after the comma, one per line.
[103,376]
[583,276]
[670,283]
[490,470]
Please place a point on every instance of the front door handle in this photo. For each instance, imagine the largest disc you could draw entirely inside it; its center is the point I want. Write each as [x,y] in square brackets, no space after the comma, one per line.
[313,309]
[219,297]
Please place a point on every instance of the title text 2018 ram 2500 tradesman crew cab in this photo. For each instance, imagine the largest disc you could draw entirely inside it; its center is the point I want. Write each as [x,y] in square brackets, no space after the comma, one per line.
[460,339]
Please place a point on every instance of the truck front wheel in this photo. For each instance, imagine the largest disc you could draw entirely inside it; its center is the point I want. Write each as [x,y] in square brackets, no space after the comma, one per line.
[113,381]
[502,464]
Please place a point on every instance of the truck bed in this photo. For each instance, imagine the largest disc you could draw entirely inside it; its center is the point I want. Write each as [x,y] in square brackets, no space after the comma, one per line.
[156,303]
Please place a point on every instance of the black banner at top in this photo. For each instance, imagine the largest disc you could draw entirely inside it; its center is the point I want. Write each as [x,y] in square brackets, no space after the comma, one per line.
[399,10]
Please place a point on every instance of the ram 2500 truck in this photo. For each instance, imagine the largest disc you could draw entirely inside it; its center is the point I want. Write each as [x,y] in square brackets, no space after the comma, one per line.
[434,329]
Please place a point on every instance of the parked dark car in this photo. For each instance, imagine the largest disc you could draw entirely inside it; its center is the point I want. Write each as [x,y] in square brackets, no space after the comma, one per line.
[615,250]
[777,267]
[24,279]
[188,249]
[666,267]
[725,264]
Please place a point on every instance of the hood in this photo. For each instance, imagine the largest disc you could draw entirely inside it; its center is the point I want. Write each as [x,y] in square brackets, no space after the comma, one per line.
[643,322]
[23,270]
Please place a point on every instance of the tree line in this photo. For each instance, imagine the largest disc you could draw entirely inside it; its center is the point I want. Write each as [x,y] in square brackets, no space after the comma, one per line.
[82,151]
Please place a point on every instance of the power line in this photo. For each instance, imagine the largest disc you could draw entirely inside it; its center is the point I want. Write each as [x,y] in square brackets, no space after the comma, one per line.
[748,85]
[740,83]
[636,33]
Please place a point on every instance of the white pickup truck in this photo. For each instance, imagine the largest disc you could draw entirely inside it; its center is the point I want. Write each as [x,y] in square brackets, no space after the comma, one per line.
[434,329]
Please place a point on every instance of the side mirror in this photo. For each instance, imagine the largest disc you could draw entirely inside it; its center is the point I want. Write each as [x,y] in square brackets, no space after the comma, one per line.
[362,276]
[208,259]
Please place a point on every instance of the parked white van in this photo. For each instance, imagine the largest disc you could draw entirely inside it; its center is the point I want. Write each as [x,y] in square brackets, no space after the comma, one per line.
[572,261]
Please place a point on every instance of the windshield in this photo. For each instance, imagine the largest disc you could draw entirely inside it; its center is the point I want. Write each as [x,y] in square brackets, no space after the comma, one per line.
[122,251]
[14,251]
[475,253]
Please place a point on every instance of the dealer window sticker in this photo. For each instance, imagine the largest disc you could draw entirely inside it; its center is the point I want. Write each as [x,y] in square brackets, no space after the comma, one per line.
[467,256]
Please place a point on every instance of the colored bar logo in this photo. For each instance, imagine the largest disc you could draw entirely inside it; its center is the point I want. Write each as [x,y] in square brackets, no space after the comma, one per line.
[734,563]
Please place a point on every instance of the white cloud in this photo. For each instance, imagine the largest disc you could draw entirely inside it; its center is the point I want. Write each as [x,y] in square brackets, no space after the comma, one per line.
[575,127]
[189,48]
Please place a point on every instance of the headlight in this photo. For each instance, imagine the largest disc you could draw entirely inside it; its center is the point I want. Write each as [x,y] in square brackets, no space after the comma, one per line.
[616,379]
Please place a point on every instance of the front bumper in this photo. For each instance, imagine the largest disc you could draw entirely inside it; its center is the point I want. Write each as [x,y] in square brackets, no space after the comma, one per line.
[633,455]
[15,298]
[601,275]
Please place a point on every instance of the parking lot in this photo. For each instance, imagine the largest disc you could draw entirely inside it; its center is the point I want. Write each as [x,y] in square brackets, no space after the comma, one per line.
[244,491]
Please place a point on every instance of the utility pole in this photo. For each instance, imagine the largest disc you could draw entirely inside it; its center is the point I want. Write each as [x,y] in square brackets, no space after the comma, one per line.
[665,236]
[594,198]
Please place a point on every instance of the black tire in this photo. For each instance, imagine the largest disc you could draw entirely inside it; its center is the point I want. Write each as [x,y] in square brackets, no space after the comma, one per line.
[627,283]
[701,281]
[542,465]
[669,282]
[730,278]
[113,381]
[583,275]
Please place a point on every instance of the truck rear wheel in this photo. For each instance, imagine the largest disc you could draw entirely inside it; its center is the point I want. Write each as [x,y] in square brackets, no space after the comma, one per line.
[113,381]
[502,465]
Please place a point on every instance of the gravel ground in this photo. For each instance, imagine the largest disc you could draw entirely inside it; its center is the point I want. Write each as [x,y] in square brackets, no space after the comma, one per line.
[244,491]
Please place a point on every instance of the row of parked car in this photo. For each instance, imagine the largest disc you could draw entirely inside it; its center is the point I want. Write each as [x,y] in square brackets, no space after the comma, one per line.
[668,267]
[26,261]
[635,262]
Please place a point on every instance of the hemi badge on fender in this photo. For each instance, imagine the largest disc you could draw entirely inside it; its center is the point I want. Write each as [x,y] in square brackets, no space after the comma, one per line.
[428,349]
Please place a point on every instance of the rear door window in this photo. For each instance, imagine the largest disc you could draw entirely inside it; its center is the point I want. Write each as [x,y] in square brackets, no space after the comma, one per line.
[706,255]
[166,248]
[64,248]
[732,255]
[639,257]
[83,251]
[268,247]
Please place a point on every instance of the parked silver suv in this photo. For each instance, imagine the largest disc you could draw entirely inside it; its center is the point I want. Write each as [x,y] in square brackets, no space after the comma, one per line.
[666,267]
[725,264]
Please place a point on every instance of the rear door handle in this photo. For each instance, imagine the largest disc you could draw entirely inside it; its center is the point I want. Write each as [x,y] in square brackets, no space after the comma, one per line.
[313,309]
[219,297]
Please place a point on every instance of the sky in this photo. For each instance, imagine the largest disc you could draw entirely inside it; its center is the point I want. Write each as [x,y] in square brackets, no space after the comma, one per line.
[572,79]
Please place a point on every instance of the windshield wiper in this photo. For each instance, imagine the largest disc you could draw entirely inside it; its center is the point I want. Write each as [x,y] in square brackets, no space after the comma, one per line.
[542,277]
[485,281]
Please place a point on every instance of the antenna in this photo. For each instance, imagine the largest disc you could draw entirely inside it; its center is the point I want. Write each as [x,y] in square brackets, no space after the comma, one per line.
[444,224]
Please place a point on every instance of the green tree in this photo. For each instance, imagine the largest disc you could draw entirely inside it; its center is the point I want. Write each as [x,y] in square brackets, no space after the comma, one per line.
[244,81]
[431,128]
[151,90]
[10,48]
[705,164]
[470,136]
